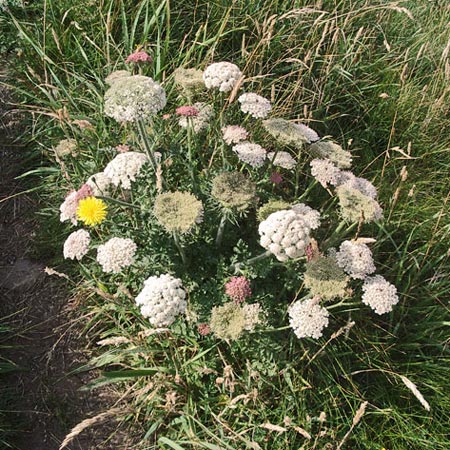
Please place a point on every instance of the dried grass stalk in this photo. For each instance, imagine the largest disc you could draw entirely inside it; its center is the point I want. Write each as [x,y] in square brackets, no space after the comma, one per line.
[413,388]
[86,423]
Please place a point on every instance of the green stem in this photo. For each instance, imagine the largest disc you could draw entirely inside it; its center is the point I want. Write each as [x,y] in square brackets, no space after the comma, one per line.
[264,255]
[221,229]
[148,147]
[180,248]
[189,142]
[119,202]
[308,190]
[337,234]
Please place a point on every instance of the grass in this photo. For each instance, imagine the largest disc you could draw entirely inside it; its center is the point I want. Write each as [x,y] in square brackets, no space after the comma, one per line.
[372,72]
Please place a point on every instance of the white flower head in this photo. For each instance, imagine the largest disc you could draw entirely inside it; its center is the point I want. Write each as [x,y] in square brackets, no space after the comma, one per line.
[116,254]
[201,121]
[162,299]
[68,209]
[233,134]
[325,172]
[285,234]
[116,75]
[76,245]
[252,154]
[355,259]
[309,134]
[379,294]
[255,105]
[254,315]
[308,214]
[133,98]
[221,75]
[282,159]
[99,183]
[307,318]
[124,168]
[348,179]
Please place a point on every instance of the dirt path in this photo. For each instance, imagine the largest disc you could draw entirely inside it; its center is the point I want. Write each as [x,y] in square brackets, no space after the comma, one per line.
[44,397]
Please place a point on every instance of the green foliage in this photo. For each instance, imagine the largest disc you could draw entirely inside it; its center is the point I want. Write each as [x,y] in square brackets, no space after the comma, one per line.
[372,72]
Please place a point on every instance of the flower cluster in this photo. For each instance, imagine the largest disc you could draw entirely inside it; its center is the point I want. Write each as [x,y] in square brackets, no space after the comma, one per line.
[200,120]
[133,98]
[255,105]
[307,318]
[222,76]
[178,212]
[124,168]
[233,190]
[233,206]
[116,254]
[138,57]
[238,289]
[282,159]
[285,233]
[77,244]
[233,134]
[379,294]
[356,259]
[252,154]
[162,299]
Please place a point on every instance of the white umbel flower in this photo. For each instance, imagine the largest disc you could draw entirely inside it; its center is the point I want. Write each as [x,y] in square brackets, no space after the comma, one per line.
[76,245]
[162,299]
[124,168]
[309,215]
[68,208]
[134,98]
[99,183]
[307,318]
[255,105]
[347,178]
[221,75]
[201,121]
[355,259]
[325,172]
[309,134]
[285,234]
[252,154]
[116,254]
[379,294]
[282,159]
[233,134]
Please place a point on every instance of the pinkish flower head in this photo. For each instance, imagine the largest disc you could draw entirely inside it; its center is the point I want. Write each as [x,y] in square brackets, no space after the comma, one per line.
[276,178]
[187,111]
[233,134]
[122,148]
[138,57]
[204,329]
[166,116]
[238,289]
[83,192]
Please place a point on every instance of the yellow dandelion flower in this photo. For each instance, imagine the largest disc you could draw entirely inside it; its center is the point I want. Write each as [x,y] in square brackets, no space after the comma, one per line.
[91,211]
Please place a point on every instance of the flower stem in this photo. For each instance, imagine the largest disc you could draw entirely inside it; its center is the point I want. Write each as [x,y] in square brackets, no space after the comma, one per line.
[337,234]
[221,229]
[189,143]
[180,248]
[148,147]
[264,255]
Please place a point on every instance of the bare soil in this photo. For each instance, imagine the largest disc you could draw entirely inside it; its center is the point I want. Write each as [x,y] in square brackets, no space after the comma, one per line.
[44,397]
